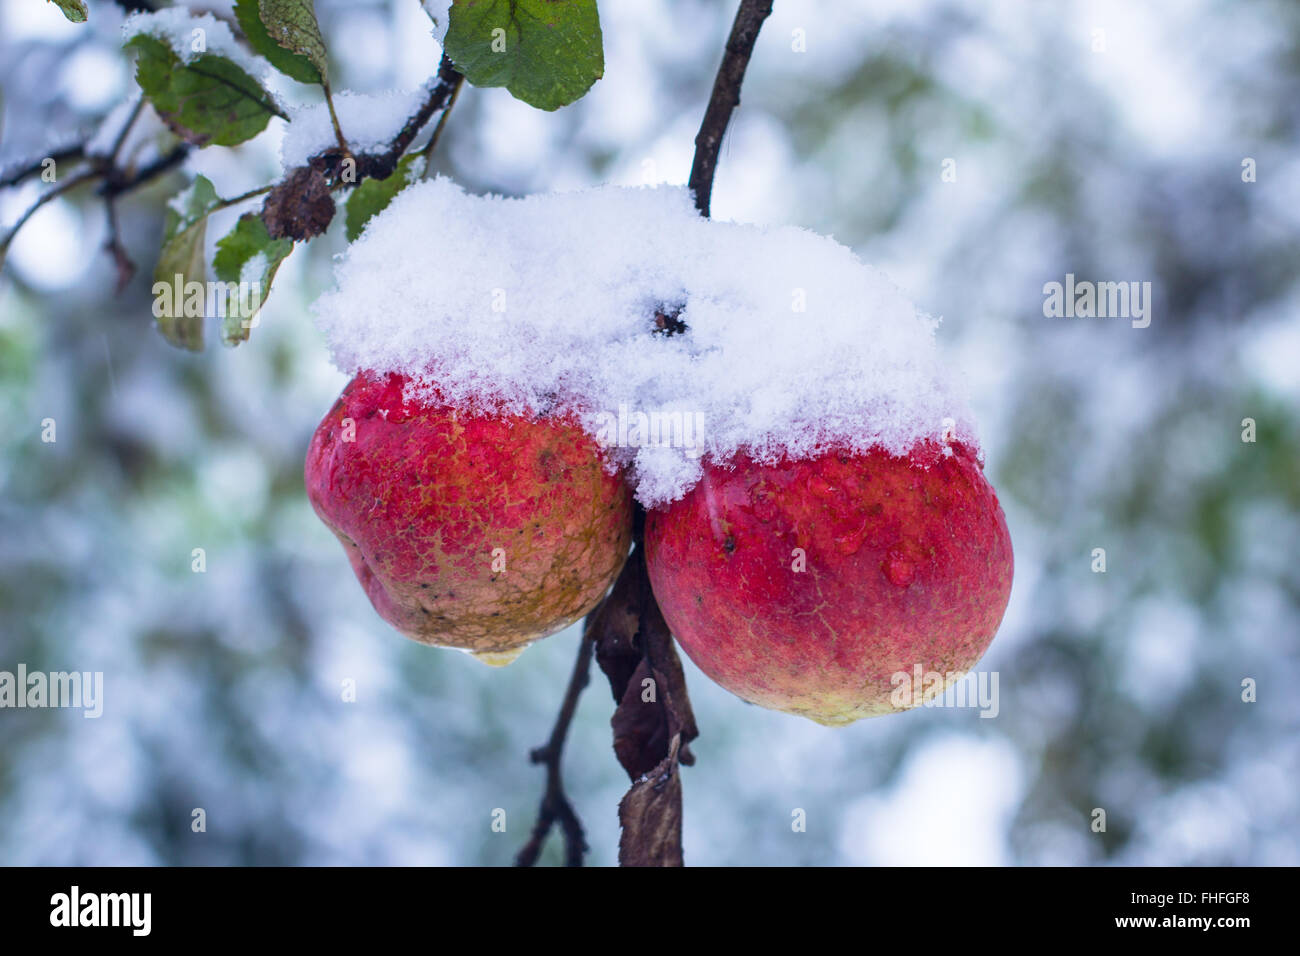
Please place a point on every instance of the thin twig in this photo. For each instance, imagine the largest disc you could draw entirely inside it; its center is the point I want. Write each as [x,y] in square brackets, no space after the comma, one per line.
[555,806]
[381,165]
[66,186]
[242,197]
[126,128]
[116,181]
[442,121]
[440,97]
[725,98]
[334,118]
[116,248]
[16,176]
[116,184]
[114,245]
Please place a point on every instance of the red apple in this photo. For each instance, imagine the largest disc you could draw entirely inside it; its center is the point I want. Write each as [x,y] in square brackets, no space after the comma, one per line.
[806,586]
[467,530]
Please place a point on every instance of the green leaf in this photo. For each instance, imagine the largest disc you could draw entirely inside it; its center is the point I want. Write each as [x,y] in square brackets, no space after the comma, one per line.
[207,100]
[545,52]
[373,195]
[74,10]
[293,25]
[248,259]
[181,262]
[290,64]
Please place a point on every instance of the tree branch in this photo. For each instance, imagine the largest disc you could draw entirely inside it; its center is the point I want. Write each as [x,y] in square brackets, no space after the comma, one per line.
[555,806]
[334,117]
[440,97]
[430,146]
[120,139]
[35,167]
[66,186]
[115,183]
[300,205]
[725,98]
[116,248]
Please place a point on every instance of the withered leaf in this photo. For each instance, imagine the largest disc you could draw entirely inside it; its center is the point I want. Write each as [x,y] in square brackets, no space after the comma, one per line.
[633,644]
[651,816]
[300,206]
[643,728]
[670,678]
[615,623]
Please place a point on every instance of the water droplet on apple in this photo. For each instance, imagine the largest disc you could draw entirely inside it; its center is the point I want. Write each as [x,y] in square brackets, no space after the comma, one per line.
[498,658]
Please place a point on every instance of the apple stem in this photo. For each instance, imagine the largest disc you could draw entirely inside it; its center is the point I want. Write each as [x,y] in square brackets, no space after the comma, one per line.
[725,98]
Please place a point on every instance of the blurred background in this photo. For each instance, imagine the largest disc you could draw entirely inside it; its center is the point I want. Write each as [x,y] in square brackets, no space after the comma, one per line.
[1103,139]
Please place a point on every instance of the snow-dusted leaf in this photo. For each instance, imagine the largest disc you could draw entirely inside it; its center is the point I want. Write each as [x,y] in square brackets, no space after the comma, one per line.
[246,262]
[547,53]
[74,10]
[207,100]
[291,64]
[181,263]
[293,25]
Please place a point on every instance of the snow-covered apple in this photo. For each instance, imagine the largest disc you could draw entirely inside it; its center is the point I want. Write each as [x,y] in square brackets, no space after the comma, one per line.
[807,586]
[478,531]
[800,579]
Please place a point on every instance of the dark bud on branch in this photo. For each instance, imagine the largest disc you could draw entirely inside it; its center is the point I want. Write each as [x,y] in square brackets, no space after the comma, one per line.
[300,206]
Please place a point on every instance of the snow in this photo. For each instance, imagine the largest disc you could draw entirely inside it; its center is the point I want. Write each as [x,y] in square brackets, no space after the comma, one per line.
[439,12]
[101,143]
[546,305]
[180,203]
[369,121]
[141,142]
[176,27]
[254,269]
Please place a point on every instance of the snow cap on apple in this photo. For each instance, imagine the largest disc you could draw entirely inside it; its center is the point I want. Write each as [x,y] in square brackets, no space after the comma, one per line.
[818,519]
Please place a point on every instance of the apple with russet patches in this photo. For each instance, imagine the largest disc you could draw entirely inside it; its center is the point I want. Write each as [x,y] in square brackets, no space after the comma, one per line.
[806,586]
[467,530]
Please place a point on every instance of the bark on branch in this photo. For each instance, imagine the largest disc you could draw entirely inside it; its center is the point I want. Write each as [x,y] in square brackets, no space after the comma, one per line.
[555,806]
[725,98]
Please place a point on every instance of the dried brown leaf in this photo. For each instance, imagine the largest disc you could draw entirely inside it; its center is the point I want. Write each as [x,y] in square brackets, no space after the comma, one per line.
[651,817]
[300,206]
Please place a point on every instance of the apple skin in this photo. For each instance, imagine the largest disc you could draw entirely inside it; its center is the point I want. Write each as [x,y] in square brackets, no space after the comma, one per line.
[424,494]
[908,561]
